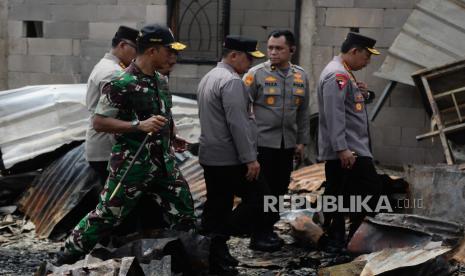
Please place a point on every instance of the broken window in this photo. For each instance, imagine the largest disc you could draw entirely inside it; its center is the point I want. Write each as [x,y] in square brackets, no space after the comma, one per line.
[202,25]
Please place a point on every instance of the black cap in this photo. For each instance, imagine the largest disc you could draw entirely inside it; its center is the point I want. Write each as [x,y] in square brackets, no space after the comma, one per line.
[364,41]
[127,33]
[158,34]
[243,44]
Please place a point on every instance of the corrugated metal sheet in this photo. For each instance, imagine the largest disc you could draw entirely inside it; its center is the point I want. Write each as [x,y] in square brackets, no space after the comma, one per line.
[193,173]
[39,119]
[433,35]
[308,179]
[58,190]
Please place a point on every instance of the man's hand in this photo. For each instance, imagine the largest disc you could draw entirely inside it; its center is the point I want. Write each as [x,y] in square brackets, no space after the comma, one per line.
[253,170]
[180,144]
[347,158]
[299,152]
[153,124]
[363,88]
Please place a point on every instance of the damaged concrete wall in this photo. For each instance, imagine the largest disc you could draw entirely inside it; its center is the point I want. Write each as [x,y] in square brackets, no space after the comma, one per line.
[402,117]
[71,37]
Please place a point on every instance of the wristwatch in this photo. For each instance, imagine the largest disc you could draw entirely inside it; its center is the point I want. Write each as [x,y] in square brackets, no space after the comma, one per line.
[135,123]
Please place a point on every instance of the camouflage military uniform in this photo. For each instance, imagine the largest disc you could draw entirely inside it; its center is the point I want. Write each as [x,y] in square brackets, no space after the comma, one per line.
[133,95]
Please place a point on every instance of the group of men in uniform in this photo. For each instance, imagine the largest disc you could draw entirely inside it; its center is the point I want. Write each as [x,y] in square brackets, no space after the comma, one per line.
[254,124]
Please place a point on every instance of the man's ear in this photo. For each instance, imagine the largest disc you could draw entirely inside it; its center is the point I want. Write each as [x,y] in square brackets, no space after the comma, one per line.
[292,49]
[353,51]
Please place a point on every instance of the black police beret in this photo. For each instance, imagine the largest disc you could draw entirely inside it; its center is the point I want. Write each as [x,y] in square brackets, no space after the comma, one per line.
[158,34]
[243,44]
[127,33]
[364,41]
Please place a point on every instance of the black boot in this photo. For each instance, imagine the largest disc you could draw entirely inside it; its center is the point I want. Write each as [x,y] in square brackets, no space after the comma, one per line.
[275,238]
[263,242]
[221,261]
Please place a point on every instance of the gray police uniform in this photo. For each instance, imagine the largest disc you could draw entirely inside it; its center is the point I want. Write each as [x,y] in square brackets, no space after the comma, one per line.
[281,105]
[98,144]
[343,121]
[227,143]
[343,124]
[228,131]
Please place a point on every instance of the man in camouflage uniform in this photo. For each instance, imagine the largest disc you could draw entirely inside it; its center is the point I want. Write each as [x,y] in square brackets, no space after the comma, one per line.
[132,106]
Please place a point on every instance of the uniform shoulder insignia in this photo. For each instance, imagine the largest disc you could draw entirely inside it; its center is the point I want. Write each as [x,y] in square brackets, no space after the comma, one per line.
[298,67]
[342,80]
[248,79]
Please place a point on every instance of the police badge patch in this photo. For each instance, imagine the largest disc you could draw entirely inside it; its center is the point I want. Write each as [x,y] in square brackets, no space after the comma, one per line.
[341,80]
[248,80]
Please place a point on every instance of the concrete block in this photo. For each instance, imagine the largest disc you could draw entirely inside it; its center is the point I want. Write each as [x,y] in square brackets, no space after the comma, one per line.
[391,4]
[106,30]
[66,30]
[156,14]
[268,5]
[237,18]
[113,13]
[87,63]
[141,2]
[320,16]
[74,12]
[279,5]
[247,5]
[17,46]
[399,156]
[76,47]
[16,28]
[396,17]
[342,17]
[401,117]
[406,96]
[73,2]
[94,48]
[322,55]
[48,46]
[19,79]
[37,64]
[187,85]
[280,19]
[408,137]
[334,3]
[29,12]
[330,36]
[256,32]
[185,71]
[65,65]
[388,136]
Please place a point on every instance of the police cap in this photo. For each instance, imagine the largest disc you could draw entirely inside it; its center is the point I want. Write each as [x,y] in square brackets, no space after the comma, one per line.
[243,44]
[363,41]
[157,34]
[126,33]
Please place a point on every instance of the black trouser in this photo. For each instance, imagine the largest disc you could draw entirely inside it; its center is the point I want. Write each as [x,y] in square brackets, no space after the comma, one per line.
[223,183]
[100,167]
[361,180]
[276,166]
